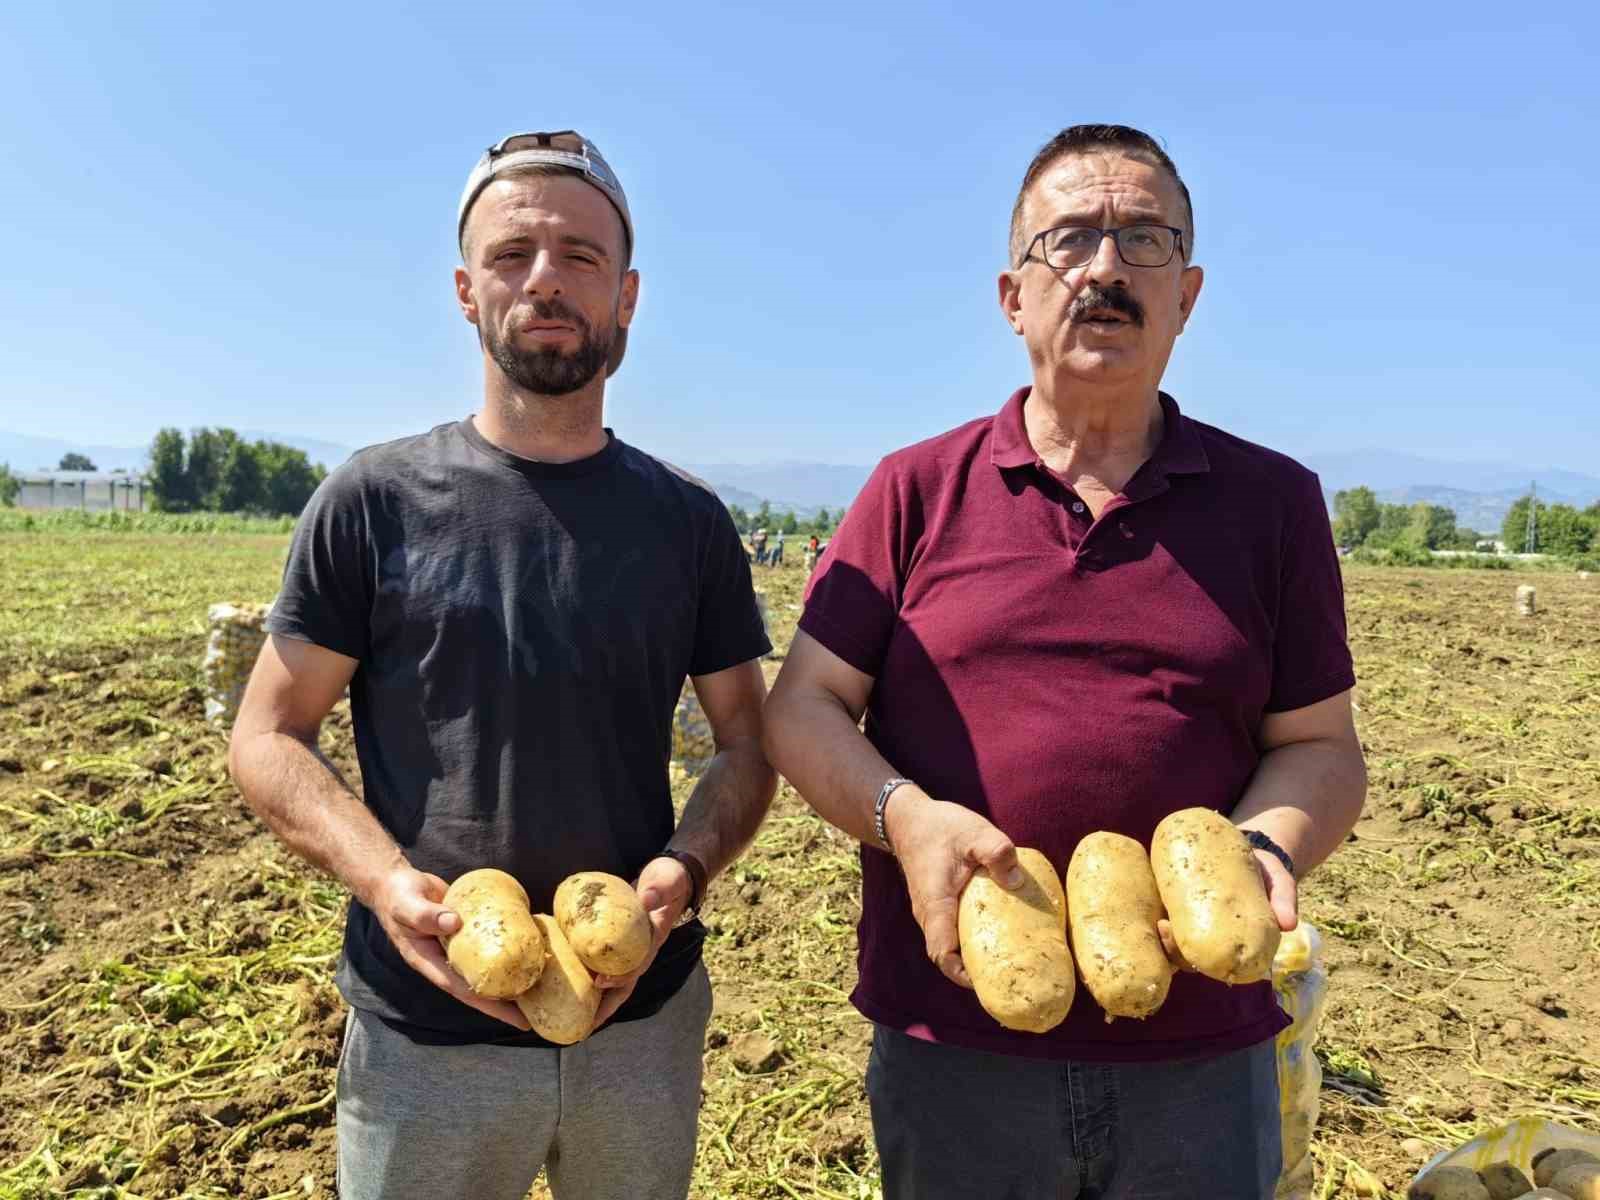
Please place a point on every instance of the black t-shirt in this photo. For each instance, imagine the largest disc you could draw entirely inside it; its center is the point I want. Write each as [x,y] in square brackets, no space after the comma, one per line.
[523,631]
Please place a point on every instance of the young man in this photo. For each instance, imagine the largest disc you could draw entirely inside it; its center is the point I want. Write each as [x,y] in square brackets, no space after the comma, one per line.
[514,600]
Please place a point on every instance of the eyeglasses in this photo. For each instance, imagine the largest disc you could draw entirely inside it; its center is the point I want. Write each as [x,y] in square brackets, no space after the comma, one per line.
[1069,246]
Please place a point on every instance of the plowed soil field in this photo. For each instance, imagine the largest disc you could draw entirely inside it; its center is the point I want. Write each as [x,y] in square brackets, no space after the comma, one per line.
[168,1025]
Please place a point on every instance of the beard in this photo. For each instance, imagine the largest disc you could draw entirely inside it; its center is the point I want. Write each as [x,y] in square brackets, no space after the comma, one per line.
[552,372]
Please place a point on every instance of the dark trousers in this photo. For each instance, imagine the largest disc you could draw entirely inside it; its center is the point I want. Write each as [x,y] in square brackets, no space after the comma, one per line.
[961,1123]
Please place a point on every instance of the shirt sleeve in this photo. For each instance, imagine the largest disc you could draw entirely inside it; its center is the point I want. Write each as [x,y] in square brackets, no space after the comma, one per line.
[853,599]
[729,628]
[327,592]
[1311,650]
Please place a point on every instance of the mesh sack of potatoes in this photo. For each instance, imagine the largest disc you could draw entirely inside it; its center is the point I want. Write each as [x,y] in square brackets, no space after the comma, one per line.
[234,641]
[1300,979]
[692,744]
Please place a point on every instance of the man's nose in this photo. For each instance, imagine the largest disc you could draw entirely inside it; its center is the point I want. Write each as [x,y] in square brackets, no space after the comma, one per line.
[1106,268]
[543,278]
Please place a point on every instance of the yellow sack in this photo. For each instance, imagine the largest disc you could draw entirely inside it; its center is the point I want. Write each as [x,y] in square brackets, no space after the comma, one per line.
[1301,981]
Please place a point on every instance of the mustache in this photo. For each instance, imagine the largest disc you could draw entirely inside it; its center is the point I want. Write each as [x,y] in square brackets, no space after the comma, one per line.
[553,310]
[1113,299]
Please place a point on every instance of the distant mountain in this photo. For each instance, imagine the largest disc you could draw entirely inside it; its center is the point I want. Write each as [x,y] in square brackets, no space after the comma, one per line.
[797,486]
[1480,494]
[1388,469]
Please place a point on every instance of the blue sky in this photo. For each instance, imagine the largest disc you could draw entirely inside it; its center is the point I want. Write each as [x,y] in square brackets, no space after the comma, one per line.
[245,217]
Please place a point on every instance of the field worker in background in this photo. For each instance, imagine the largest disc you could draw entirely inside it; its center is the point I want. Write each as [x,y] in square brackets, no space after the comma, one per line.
[811,553]
[514,600]
[758,542]
[1081,613]
[777,551]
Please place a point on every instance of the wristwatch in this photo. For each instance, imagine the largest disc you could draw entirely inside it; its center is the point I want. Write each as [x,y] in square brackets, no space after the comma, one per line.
[697,880]
[1262,842]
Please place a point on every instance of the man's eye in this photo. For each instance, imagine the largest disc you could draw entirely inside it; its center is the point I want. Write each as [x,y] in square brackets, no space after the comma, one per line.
[506,255]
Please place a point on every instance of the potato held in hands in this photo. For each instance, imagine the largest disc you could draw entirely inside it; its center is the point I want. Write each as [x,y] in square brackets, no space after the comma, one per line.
[1113,907]
[561,1005]
[498,950]
[1014,945]
[1212,891]
[604,921]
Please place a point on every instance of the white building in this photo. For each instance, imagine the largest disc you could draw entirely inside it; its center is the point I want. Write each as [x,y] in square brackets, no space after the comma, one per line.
[93,491]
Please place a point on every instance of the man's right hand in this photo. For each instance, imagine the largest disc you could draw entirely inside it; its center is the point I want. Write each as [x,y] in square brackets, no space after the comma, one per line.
[939,846]
[407,905]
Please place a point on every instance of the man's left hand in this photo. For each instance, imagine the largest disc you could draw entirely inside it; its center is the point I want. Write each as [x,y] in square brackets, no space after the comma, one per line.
[1283,893]
[664,888]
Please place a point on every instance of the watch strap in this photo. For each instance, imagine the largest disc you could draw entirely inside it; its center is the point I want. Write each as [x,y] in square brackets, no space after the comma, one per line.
[697,878]
[1262,842]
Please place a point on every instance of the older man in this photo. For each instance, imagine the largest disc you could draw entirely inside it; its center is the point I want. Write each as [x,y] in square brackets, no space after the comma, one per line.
[514,600]
[1082,613]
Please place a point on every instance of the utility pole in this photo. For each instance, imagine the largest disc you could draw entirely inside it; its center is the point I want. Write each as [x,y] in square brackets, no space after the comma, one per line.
[1533,519]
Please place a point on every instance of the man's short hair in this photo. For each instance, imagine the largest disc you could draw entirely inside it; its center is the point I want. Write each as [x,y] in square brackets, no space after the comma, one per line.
[545,170]
[1091,139]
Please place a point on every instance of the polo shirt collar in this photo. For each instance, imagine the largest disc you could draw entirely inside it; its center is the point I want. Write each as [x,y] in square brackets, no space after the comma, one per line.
[1180,451]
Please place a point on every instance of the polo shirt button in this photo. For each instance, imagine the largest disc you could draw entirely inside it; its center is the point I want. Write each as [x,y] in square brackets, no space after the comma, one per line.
[1077,506]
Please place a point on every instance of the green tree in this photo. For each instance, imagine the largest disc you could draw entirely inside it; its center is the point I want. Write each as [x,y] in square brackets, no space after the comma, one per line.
[1430,526]
[1394,520]
[789,523]
[208,456]
[169,482]
[1564,530]
[741,519]
[1355,515]
[288,478]
[10,485]
[76,462]
[763,516]
[1514,529]
[240,487]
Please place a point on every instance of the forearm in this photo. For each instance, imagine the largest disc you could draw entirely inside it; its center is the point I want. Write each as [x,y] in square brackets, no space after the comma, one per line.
[300,795]
[813,739]
[1307,797]
[727,806]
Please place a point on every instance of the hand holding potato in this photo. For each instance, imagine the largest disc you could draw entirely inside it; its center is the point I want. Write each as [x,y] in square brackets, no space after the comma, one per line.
[939,846]
[408,905]
[664,889]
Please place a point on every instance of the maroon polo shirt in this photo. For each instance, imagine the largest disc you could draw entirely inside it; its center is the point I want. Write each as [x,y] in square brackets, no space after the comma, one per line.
[1062,674]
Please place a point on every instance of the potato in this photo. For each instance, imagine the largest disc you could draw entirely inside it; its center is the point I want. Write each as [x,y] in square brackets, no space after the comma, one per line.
[1014,945]
[1580,1180]
[1504,1181]
[562,1004]
[498,950]
[1548,1163]
[1543,1194]
[1212,891]
[1449,1183]
[1113,907]
[604,921]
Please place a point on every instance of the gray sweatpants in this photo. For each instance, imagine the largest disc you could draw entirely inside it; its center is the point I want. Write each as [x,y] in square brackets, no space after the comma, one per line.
[954,1123]
[611,1118]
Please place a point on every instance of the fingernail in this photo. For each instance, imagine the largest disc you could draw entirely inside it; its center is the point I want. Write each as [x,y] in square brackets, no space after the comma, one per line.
[1014,877]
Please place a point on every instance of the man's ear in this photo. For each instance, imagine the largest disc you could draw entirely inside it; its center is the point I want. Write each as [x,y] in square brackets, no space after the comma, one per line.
[1010,283]
[464,296]
[1189,293]
[628,302]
